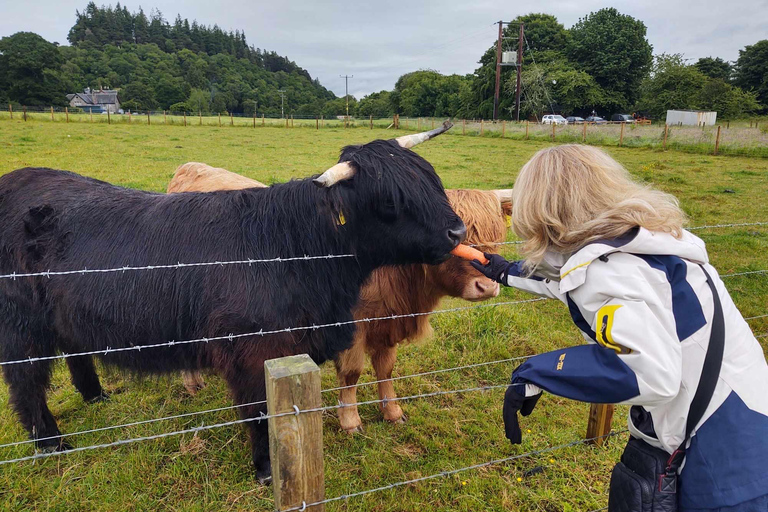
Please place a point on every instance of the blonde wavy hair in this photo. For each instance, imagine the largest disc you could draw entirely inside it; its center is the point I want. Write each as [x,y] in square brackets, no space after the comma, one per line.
[567,196]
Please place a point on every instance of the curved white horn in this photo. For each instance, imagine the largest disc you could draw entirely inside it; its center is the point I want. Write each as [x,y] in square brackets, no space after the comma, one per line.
[339,172]
[408,141]
[504,195]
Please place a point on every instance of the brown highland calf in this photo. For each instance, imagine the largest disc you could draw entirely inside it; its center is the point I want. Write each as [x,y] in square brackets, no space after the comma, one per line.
[389,291]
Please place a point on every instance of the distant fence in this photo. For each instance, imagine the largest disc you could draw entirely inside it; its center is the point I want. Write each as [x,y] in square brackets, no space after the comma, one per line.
[743,139]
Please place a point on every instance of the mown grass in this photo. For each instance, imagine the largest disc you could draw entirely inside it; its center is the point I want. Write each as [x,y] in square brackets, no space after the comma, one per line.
[211,470]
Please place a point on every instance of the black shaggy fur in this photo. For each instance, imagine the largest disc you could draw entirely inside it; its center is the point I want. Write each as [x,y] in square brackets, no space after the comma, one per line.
[395,209]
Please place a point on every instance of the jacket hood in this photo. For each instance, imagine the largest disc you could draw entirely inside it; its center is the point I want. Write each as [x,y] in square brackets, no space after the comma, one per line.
[636,241]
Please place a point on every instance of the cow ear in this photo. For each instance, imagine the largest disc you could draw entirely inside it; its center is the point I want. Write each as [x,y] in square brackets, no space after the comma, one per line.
[339,172]
[505,198]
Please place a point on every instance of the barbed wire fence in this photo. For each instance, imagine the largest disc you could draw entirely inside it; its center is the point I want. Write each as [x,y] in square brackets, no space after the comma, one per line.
[296,411]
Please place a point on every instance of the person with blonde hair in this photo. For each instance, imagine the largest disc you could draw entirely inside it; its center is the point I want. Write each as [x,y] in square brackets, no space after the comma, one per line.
[663,334]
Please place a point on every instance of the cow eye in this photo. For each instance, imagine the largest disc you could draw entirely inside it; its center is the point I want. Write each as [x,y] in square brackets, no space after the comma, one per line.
[388,210]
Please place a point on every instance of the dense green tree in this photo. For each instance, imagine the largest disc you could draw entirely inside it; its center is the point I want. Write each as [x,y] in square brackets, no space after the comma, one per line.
[728,101]
[751,71]
[714,68]
[613,49]
[377,104]
[671,85]
[427,93]
[30,69]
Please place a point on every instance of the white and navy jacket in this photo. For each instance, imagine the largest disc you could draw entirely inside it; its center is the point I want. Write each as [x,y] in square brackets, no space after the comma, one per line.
[643,304]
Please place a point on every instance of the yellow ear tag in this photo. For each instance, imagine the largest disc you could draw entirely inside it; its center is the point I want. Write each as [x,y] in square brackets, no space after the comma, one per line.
[508,220]
[342,220]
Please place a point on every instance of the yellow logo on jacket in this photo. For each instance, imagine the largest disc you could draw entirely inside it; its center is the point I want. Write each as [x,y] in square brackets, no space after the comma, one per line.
[561,361]
[603,329]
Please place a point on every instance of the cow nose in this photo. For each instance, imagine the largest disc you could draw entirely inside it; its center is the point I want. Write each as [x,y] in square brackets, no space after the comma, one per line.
[457,234]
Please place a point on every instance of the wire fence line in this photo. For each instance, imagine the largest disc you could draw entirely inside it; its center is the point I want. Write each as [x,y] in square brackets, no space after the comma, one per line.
[260,402]
[450,472]
[262,332]
[295,412]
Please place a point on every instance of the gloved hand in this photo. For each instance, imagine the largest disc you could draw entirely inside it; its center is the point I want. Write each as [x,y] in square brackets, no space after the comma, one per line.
[496,268]
[514,401]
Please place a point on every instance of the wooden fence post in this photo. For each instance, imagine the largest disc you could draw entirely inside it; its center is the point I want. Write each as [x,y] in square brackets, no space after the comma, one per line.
[51,112]
[370,118]
[291,120]
[666,130]
[295,440]
[24,110]
[553,130]
[584,132]
[254,119]
[717,140]
[621,136]
[165,117]
[219,119]
[66,112]
[149,122]
[185,118]
[600,416]
[109,117]
[418,124]
[90,112]
[406,123]
[322,120]
[463,126]
[130,116]
[728,125]
[503,128]
[433,123]
[10,110]
[526,129]
[263,120]
[481,126]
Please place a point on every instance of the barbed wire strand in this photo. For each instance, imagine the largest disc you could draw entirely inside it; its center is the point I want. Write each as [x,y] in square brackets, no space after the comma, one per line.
[231,336]
[450,472]
[295,412]
[251,261]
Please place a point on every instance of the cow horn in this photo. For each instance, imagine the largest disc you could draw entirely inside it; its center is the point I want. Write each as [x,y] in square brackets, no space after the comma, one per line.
[339,172]
[504,195]
[408,141]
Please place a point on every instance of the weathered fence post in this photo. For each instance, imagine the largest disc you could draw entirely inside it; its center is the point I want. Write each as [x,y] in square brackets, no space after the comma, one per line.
[185,118]
[584,132]
[295,440]
[599,425]
[553,130]
[418,124]
[322,120]
[66,113]
[463,126]
[433,123]
[90,112]
[728,125]
[51,112]
[109,118]
[219,119]
[149,122]
[526,129]
[165,117]
[666,130]
[717,140]
[286,122]
[254,119]
[317,123]
[503,128]
[263,119]
[406,123]
[370,119]
[130,116]
[291,120]
[10,110]
[24,110]
[481,126]
[621,136]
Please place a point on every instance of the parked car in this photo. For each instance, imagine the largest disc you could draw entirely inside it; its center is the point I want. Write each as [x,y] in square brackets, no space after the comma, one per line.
[575,120]
[595,120]
[553,119]
[622,118]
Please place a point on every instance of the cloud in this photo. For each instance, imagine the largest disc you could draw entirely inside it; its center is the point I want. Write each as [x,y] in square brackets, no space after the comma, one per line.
[379,41]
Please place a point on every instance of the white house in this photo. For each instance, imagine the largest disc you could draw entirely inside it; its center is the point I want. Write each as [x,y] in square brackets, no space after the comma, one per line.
[95,101]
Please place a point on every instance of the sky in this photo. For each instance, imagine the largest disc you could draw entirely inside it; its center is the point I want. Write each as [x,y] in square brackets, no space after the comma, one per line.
[376,42]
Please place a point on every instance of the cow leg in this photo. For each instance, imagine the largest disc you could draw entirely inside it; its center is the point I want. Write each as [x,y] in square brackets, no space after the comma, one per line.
[383,361]
[85,379]
[193,381]
[349,366]
[27,385]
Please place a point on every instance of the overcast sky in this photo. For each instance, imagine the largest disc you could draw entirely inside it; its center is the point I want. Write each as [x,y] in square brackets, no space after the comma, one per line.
[379,41]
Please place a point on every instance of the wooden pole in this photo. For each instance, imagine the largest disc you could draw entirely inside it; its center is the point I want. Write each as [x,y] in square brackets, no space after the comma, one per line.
[503,128]
[322,120]
[24,109]
[584,132]
[728,125]
[526,129]
[621,135]
[165,118]
[10,110]
[66,112]
[291,120]
[109,117]
[463,126]
[51,112]
[219,119]
[90,111]
[286,122]
[149,122]
[317,123]
[553,130]
[185,118]
[481,126]
[599,424]
[254,119]
[262,119]
[370,118]
[433,123]
[717,140]
[232,119]
[295,440]
[129,116]
[418,124]
[666,130]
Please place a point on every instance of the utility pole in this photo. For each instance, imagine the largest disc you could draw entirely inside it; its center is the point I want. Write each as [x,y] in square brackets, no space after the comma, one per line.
[498,73]
[346,90]
[519,67]
[282,103]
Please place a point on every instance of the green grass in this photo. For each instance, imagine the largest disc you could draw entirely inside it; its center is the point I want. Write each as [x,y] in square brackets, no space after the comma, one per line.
[211,471]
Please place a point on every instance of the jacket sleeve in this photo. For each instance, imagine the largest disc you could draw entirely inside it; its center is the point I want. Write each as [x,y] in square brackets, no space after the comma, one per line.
[635,357]
[516,277]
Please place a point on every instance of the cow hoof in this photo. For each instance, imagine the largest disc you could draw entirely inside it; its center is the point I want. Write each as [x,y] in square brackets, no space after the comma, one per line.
[354,430]
[399,421]
[264,476]
[53,448]
[101,397]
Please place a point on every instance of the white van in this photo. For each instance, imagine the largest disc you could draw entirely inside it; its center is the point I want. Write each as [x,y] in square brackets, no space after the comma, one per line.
[553,119]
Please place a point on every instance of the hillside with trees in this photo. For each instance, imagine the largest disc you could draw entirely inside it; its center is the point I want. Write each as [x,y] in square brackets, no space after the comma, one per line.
[156,65]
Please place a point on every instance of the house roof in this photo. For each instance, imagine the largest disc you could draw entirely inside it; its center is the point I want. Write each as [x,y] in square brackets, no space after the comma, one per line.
[106,97]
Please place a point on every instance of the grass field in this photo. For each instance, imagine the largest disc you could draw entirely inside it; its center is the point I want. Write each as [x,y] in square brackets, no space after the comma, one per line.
[212,471]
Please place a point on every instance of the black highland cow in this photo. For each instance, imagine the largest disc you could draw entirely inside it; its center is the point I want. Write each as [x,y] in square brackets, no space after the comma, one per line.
[382,202]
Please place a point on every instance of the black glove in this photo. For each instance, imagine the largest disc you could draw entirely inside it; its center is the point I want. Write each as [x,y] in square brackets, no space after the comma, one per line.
[496,268]
[514,401]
